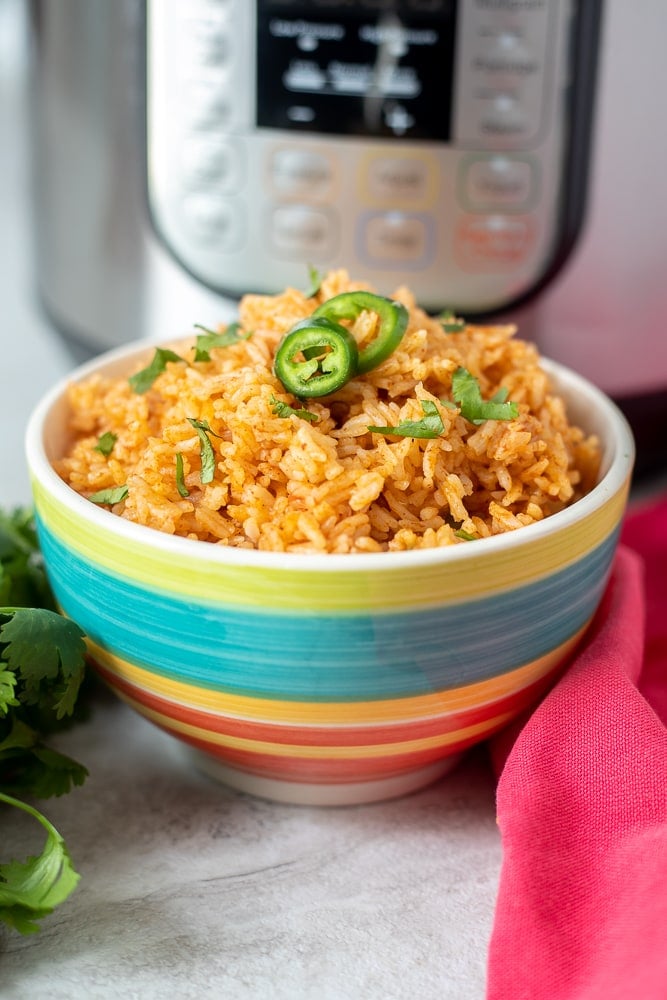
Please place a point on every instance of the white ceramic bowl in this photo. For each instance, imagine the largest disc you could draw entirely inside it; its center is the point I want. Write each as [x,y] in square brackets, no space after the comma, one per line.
[338,678]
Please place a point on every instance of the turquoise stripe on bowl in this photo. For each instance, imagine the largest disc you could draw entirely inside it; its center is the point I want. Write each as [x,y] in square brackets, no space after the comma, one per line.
[319,657]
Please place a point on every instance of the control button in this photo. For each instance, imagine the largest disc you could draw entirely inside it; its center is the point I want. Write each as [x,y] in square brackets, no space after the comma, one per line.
[206,42]
[301,173]
[216,221]
[396,239]
[205,33]
[507,56]
[489,183]
[207,161]
[494,242]
[300,231]
[208,102]
[405,179]
[504,116]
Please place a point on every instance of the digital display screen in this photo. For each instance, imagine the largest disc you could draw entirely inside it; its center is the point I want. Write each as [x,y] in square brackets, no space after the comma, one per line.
[356,67]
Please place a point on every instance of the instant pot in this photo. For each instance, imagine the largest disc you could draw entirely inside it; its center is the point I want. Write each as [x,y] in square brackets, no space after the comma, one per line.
[188,151]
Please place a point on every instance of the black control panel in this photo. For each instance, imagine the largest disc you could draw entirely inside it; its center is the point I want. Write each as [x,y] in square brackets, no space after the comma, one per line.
[369,67]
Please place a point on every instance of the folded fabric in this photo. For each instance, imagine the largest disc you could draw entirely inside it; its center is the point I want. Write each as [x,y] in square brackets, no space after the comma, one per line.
[581,912]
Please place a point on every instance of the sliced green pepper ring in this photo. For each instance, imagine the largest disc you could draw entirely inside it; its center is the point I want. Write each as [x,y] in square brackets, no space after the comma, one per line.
[316,357]
[393,318]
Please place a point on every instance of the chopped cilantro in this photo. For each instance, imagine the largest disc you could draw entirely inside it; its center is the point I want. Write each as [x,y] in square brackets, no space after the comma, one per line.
[430,426]
[205,449]
[106,443]
[109,496]
[180,478]
[285,410]
[315,282]
[451,323]
[466,392]
[143,380]
[209,339]
[465,535]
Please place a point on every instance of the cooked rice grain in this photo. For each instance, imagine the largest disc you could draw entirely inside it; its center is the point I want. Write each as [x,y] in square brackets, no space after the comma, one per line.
[284,484]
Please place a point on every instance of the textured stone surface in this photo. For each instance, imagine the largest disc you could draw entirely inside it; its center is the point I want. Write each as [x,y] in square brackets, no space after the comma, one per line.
[191,890]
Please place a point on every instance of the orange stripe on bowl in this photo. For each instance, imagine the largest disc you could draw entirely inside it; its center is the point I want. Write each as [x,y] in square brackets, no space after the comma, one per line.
[327,770]
[318,734]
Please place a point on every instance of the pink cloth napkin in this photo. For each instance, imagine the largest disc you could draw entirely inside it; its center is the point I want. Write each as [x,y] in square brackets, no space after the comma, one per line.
[581,912]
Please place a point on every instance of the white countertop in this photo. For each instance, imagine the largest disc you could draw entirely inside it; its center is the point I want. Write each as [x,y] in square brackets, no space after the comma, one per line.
[189,889]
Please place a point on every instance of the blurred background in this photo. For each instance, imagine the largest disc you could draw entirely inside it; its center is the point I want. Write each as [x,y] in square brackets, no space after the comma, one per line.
[505,160]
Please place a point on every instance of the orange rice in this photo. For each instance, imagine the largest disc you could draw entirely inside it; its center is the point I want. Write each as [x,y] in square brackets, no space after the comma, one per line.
[285,484]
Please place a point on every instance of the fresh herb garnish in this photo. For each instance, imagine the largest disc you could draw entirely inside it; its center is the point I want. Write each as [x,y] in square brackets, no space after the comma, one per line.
[430,426]
[112,495]
[209,339]
[42,667]
[285,410]
[465,535]
[450,322]
[205,449]
[466,392]
[32,889]
[315,282]
[106,443]
[180,478]
[143,380]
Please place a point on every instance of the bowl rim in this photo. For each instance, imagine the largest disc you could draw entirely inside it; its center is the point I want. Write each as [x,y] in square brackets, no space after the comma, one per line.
[619,444]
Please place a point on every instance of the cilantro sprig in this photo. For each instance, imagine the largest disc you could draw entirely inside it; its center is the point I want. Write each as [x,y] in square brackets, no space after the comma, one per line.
[466,392]
[207,455]
[180,476]
[284,410]
[112,495]
[42,668]
[450,322]
[105,443]
[142,380]
[31,889]
[430,425]
[209,339]
[315,278]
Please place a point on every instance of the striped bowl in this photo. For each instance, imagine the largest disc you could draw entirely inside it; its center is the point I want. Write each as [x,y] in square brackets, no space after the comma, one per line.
[329,679]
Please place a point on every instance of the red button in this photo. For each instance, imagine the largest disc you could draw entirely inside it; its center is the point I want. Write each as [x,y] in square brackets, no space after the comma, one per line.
[494,242]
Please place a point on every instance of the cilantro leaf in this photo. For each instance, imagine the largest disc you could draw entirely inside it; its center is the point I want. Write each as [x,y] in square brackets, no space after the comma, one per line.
[31,889]
[465,535]
[315,282]
[285,410]
[41,646]
[451,323]
[214,338]
[106,443]
[466,392]
[206,452]
[7,689]
[143,380]
[180,478]
[41,669]
[110,496]
[30,767]
[22,578]
[430,426]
